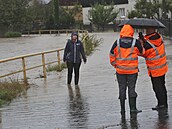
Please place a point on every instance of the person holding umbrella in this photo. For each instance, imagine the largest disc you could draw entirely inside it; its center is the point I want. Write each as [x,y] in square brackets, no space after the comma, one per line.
[156,62]
[154,55]
[124,57]
[72,56]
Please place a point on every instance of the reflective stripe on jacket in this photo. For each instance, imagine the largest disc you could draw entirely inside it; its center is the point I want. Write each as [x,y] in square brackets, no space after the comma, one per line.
[155,55]
[124,56]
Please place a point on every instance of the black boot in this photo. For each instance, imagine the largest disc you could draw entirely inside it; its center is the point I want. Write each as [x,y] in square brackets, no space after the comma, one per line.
[122,103]
[132,103]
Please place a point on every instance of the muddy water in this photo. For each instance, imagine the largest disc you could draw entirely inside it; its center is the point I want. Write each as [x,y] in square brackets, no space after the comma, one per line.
[50,104]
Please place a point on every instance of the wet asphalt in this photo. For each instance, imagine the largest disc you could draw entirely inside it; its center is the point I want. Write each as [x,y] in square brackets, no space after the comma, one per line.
[51,104]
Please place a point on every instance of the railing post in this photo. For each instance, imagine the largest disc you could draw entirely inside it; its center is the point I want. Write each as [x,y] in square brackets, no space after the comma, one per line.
[40,32]
[43,64]
[50,32]
[58,33]
[66,32]
[58,54]
[24,69]
[28,33]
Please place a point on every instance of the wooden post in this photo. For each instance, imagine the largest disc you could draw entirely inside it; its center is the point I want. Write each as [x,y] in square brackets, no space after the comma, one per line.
[28,33]
[24,70]
[67,33]
[50,32]
[58,33]
[43,63]
[58,54]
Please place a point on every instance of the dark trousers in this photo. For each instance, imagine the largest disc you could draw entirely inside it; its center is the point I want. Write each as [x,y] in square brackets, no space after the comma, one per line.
[159,88]
[76,67]
[124,81]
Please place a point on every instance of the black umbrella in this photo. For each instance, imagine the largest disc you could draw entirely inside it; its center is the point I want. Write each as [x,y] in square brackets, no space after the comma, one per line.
[141,23]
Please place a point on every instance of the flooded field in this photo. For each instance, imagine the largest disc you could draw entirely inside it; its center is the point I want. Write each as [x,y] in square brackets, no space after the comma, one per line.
[50,104]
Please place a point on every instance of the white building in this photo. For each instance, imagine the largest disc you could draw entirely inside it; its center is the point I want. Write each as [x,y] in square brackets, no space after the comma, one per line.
[122,8]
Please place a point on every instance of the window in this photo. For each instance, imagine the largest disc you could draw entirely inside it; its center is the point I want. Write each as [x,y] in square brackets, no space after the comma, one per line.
[122,12]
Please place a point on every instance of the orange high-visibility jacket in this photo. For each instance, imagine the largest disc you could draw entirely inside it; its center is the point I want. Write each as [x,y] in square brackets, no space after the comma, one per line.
[155,55]
[124,52]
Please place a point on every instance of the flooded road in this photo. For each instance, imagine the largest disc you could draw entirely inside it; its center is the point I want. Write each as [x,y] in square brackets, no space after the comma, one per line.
[50,104]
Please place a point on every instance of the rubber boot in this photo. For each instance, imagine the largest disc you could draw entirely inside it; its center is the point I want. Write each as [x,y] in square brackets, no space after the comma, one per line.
[132,103]
[122,103]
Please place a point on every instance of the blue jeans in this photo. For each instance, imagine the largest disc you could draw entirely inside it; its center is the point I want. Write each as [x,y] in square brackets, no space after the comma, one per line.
[124,81]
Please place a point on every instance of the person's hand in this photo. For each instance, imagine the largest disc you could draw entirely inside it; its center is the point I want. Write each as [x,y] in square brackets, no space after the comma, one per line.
[85,61]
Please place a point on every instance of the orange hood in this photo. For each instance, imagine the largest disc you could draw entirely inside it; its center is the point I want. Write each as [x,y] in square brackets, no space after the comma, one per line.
[127,31]
[157,42]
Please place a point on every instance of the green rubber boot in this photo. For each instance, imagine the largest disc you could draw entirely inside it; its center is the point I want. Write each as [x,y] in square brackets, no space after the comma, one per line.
[132,103]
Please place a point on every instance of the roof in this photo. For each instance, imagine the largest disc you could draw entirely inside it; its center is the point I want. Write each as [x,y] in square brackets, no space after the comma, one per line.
[88,3]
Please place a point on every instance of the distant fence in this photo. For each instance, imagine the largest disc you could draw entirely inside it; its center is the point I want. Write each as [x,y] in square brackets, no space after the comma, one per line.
[57,32]
[44,63]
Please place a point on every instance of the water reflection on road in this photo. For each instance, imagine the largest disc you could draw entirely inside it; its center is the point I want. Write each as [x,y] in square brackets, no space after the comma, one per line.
[78,109]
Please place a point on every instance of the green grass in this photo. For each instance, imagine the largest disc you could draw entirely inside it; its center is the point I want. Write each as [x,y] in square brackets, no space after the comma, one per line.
[90,43]
[12,34]
[57,67]
[10,90]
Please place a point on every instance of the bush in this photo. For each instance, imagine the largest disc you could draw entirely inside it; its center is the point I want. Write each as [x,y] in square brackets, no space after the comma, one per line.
[90,43]
[12,34]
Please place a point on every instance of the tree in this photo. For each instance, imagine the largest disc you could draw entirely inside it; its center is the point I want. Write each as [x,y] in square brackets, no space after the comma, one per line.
[134,14]
[56,12]
[102,14]
[13,14]
[166,7]
[66,18]
[155,9]
[144,8]
[40,14]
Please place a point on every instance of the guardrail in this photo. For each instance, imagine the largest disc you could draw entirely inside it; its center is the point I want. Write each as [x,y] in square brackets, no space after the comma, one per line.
[23,59]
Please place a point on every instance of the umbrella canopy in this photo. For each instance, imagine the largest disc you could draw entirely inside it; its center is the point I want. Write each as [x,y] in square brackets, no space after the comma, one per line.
[141,23]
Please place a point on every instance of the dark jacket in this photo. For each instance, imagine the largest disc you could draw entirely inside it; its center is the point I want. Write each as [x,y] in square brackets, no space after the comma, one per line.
[74,51]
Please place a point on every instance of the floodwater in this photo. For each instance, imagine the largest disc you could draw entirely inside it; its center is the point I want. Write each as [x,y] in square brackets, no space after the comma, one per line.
[50,104]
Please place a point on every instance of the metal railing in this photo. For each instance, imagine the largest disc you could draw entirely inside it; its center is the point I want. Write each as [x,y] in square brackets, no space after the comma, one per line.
[44,64]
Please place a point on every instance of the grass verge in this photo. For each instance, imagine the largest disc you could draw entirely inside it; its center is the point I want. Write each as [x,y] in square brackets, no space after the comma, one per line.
[10,90]
[12,34]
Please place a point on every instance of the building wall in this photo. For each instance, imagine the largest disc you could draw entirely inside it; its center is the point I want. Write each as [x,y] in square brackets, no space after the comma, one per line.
[122,8]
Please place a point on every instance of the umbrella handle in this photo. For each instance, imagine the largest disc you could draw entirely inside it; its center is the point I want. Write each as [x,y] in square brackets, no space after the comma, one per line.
[141,36]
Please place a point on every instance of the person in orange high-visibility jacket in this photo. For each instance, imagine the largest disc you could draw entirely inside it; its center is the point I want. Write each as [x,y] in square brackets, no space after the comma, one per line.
[156,62]
[124,57]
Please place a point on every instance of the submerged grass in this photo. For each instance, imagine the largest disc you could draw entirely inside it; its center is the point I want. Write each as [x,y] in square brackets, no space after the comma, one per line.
[10,90]
[57,67]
